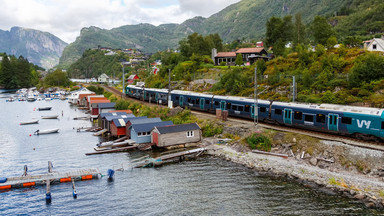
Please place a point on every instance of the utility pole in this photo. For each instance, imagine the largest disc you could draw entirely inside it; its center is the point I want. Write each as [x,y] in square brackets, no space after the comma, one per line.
[293,89]
[255,105]
[169,89]
[123,92]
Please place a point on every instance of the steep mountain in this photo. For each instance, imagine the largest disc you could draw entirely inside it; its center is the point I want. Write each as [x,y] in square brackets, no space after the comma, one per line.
[40,48]
[243,20]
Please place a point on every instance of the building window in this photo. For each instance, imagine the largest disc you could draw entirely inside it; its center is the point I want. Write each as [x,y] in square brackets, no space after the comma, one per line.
[320,118]
[374,46]
[189,133]
[139,134]
[298,115]
[308,118]
[346,120]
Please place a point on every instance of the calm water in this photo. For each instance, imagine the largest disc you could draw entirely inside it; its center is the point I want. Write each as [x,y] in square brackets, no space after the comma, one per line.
[206,186]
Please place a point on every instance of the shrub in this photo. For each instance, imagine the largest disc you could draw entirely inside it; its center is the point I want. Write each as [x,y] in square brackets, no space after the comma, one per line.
[259,141]
[210,129]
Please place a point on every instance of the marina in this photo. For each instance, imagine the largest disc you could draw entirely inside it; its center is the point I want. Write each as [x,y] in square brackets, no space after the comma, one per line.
[202,186]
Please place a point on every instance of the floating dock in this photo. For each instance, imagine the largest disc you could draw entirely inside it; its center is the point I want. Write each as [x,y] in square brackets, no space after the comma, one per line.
[53,177]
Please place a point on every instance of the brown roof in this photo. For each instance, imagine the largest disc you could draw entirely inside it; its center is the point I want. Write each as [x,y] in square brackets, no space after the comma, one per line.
[250,50]
[126,111]
[99,100]
[226,54]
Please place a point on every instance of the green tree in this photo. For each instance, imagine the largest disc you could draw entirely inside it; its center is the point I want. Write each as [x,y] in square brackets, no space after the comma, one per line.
[331,42]
[239,59]
[261,66]
[279,32]
[299,31]
[321,30]
[367,68]
[57,78]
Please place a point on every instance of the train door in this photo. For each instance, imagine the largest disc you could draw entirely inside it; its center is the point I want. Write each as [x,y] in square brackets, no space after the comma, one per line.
[222,105]
[202,101]
[287,116]
[333,123]
[181,100]
[254,112]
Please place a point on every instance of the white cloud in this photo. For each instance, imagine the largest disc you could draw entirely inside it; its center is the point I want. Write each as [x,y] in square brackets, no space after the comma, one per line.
[65,18]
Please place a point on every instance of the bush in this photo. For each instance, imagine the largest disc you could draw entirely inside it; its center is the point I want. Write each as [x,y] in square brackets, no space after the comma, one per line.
[258,141]
[210,130]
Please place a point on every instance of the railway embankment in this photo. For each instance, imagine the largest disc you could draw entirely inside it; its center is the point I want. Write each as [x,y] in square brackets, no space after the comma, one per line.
[332,167]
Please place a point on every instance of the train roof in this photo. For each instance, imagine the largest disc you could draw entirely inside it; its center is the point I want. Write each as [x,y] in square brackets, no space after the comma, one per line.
[352,109]
[334,107]
[243,99]
[191,93]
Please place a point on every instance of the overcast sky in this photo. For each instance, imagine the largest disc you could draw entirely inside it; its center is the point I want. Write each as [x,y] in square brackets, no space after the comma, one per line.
[65,18]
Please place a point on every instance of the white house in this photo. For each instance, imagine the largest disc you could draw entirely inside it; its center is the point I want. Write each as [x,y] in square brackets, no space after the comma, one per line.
[377,44]
[103,78]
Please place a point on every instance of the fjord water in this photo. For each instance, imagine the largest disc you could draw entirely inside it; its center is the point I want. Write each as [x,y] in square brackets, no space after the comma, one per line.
[206,186]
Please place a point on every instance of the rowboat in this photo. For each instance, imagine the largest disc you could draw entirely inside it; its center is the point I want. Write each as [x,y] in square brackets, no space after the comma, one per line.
[50,117]
[112,145]
[29,122]
[48,131]
[44,108]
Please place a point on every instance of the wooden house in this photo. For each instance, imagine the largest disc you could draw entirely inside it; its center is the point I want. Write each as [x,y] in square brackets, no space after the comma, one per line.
[132,78]
[74,95]
[106,107]
[108,120]
[139,121]
[96,100]
[176,134]
[141,133]
[125,111]
[376,44]
[103,78]
[83,95]
[250,55]
[86,102]
[118,127]
[101,117]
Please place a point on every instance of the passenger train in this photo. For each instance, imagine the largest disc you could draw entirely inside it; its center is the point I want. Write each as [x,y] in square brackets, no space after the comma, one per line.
[360,122]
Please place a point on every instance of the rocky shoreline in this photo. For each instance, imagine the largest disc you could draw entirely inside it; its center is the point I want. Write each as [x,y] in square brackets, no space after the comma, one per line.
[369,189]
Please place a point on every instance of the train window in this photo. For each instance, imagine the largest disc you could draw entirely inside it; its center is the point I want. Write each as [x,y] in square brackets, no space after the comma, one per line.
[189,100]
[346,120]
[207,102]
[228,106]
[193,101]
[197,100]
[298,115]
[382,125]
[278,111]
[263,109]
[246,108]
[217,103]
[308,118]
[177,97]
[234,107]
[320,118]
[241,108]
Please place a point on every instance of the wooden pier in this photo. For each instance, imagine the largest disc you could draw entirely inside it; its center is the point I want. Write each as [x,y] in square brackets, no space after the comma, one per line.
[52,177]
[169,157]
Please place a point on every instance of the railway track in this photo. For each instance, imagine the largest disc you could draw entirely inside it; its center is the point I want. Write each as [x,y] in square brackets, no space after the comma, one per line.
[320,135]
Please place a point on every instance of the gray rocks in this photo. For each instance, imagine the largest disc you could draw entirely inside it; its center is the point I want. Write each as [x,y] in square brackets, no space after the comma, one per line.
[313,161]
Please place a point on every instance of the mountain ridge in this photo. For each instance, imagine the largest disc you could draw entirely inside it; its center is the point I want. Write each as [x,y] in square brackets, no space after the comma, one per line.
[40,48]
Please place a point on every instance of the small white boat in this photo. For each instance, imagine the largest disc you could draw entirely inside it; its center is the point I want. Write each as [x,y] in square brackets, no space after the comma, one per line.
[48,131]
[31,98]
[29,122]
[50,117]
[11,99]
[48,99]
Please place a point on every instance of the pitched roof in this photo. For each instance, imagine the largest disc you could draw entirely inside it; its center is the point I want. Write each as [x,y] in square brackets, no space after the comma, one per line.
[127,117]
[378,41]
[119,122]
[149,126]
[133,76]
[102,115]
[106,105]
[143,121]
[123,111]
[250,50]
[178,128]
[226,54]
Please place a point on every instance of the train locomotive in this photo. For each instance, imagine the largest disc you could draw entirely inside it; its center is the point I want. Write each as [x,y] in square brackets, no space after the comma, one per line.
[361,122]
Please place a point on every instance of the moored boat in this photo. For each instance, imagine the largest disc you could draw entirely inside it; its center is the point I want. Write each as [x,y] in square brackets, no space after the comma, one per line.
[29,122]
[48,131]
[50,117]
[44,108]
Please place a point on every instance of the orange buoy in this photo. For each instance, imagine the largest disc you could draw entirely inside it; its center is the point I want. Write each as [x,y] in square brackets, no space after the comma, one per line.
[5,187]
[29,184]
[87,177]
[66,179]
